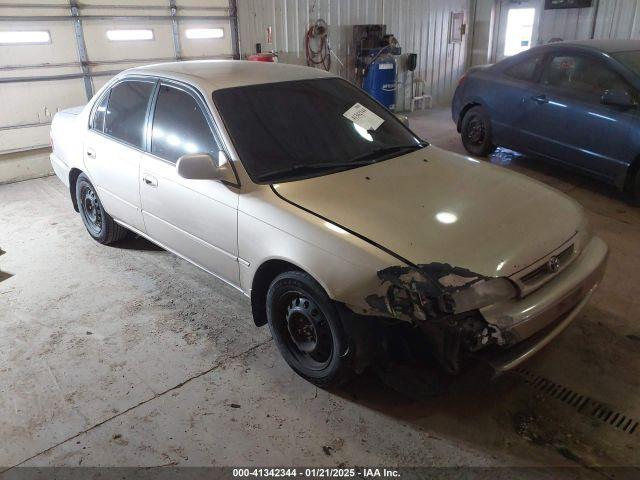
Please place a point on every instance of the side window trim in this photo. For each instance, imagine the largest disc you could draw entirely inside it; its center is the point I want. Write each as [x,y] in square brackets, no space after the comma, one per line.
[94,109]
[206,111]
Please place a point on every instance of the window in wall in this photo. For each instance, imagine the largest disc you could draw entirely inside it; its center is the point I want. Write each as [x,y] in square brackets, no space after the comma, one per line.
[126,111]
[24,37]
[203,33]
[124,35]
[180,127]
[519,30]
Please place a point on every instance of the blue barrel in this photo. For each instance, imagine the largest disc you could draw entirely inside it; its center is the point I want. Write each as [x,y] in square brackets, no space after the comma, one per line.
[380,81]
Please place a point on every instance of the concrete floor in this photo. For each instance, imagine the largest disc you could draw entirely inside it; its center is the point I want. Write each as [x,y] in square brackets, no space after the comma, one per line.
[129,356]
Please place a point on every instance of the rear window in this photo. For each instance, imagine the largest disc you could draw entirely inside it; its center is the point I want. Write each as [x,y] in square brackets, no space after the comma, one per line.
[127,110]
[631,60]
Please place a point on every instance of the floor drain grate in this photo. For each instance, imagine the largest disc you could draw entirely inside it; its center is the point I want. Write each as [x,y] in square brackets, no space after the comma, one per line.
[581,403]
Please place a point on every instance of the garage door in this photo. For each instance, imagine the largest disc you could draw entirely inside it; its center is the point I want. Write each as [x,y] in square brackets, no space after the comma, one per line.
[56,54]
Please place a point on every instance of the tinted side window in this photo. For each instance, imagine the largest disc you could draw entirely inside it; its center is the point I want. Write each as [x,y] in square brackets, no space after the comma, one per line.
[100,113]
[127,110]
[582,75]
[524,70]
[180,127]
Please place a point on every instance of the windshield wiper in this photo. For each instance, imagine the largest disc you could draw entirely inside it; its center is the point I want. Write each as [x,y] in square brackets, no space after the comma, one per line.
[361,161]
[312,167]
[379,153]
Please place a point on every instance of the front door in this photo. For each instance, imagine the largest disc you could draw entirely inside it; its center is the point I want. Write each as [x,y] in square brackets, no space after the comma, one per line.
[113,149]
[568,120]
[197,219]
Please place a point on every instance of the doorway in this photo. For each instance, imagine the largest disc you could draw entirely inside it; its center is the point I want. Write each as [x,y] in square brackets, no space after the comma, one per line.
[517,27]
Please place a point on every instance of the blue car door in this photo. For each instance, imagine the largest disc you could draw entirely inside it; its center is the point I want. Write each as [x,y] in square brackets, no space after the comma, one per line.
[567,121]
[507,101]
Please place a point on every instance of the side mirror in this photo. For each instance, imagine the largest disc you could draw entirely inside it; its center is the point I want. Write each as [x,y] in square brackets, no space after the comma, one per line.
[618,98]
[403,118]
[202,166]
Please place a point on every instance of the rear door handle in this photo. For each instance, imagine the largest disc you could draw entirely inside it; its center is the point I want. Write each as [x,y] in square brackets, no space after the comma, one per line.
[91,153]
[540,99]
[150,180]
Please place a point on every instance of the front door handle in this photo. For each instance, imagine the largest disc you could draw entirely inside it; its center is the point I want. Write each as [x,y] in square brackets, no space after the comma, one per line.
[150,180]
[540,99]
[91,153]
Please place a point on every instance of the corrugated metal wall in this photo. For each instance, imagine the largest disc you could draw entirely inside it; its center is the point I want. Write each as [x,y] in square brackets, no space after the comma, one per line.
[618,19]
[421,26]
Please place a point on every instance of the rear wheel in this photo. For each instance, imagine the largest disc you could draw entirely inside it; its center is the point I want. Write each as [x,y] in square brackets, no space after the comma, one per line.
[476,132]
[307,329]
[98,223]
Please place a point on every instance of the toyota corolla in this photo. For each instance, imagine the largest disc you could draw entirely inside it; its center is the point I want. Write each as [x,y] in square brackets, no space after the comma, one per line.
[329,214]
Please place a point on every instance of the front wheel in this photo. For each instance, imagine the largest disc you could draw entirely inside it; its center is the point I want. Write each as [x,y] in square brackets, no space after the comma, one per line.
[98,223]
[307,329]
[476,132]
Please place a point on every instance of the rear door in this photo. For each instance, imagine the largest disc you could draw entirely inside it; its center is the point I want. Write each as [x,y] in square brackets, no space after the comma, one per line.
[567,120]
[113,148]
[197,219]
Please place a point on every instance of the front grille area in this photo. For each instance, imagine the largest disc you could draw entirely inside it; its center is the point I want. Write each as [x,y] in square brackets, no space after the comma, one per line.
[543,271]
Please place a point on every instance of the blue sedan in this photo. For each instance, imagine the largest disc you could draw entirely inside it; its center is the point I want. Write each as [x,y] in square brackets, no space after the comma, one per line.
[574,103]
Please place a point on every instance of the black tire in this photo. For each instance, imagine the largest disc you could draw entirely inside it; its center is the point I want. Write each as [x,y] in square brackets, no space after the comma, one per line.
[476,132]
[97,221]
[633,188]
[308,331]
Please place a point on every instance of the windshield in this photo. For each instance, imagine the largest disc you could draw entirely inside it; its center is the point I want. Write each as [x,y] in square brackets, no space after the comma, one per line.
[292,130]
[631,60]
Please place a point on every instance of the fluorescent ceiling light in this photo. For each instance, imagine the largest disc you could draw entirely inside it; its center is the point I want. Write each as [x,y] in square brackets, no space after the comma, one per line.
[25,37]
[118,35]
[197,33]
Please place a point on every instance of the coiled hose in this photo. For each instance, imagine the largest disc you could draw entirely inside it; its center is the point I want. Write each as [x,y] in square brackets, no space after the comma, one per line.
[318,35]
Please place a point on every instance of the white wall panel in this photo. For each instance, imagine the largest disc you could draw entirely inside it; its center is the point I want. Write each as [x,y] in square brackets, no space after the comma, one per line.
[201,47]
[101,49]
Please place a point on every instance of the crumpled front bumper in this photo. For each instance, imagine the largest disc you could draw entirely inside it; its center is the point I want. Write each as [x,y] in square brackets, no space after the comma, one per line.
[528,324]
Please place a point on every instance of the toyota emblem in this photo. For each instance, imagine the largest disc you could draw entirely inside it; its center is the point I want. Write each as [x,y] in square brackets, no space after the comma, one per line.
[553,264]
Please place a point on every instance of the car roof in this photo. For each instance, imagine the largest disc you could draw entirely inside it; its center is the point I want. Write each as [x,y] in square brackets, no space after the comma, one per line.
[605,45]
[219,74]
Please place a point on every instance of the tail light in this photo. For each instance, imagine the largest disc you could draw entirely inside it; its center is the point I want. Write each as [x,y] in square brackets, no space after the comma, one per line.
[462,79]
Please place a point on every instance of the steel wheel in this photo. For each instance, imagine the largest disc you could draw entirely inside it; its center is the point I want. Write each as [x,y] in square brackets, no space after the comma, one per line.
[305,330]
[308,329]
[476,132]
[91,209]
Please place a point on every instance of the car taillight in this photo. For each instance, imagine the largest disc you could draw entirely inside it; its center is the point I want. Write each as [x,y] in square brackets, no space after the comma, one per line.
[462,79]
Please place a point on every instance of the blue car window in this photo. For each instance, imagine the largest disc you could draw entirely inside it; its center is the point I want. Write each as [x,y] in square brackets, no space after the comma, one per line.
[582,75]
[524,70]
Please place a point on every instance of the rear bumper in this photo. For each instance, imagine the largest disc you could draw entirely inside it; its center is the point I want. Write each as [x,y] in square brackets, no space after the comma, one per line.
[60,168]
[529,324]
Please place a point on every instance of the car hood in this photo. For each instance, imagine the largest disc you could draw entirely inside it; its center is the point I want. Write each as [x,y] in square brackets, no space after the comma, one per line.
[436,206]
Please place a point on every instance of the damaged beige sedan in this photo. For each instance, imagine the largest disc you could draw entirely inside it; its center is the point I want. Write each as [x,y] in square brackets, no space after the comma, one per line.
[339,223]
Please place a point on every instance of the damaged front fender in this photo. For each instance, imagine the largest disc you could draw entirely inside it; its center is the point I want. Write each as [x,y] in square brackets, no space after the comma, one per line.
[443,300]
[422,292]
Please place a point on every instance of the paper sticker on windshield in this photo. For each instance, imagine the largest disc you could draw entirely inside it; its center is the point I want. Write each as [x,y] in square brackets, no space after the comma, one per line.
[363,117]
